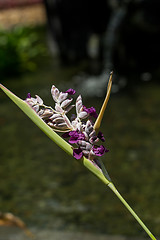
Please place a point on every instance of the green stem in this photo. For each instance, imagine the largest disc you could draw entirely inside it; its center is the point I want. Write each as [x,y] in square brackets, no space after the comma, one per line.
[112,187]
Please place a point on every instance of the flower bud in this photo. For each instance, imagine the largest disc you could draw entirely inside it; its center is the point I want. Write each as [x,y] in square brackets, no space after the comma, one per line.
[93,133]
[67,109]
[34,100]
[65,103]
[55,93]
[94,140]
[79,104]
[55,115]
[41,112]
[31,101]
[82,143]
[83,115]
[62,97]
[66,120]
[88,146]
[89,127]
[36,108]
[58,120]
[61,125]
[86,136]
[39,100]
[47,113]
[58,108]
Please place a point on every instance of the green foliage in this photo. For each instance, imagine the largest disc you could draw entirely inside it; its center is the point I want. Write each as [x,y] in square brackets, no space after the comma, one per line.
[20,49]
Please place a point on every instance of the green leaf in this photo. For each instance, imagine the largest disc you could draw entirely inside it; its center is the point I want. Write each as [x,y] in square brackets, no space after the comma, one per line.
[52,135]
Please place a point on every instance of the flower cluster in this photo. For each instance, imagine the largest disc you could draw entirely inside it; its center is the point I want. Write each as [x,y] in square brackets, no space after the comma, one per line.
[79,130]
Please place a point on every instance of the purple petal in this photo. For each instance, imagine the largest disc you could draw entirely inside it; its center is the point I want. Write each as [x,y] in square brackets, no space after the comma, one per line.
[101,137]
[91,111]
[81,136]
[75,136]
[99,150]
[85,109]
[77,153]
[73,133]
[73,140]
[70,91]
[28,95]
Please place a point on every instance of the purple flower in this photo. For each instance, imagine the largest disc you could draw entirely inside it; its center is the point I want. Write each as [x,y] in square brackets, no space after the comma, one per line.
[99,150]
[77,153]
[28,95]
[101,137]
[75,136]
[70,91]
[91,111]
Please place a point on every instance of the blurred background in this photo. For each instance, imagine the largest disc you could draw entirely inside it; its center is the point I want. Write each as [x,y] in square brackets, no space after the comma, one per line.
[75,44]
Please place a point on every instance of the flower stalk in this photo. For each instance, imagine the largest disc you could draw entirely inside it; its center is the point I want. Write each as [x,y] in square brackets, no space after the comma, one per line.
[113,188]
[83,134]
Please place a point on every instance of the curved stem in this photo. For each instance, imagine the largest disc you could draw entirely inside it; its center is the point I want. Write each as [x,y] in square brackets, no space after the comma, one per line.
[112,187]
